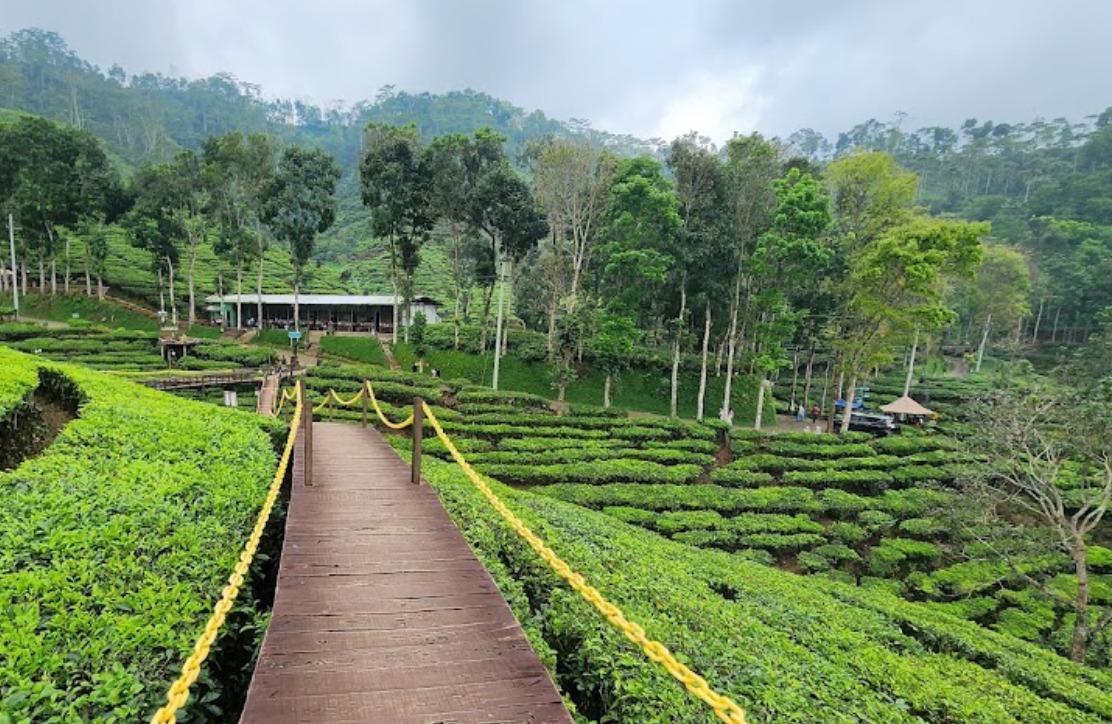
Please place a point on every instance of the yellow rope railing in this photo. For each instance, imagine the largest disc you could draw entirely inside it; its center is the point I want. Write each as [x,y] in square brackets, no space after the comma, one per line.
[179,691]
[381,416]
[724,707]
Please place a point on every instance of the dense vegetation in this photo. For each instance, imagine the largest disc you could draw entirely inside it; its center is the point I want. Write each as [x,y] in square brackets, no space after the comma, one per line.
[116,542]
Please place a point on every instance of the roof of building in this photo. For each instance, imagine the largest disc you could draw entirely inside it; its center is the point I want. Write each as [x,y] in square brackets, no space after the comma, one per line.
[309,300]
[906,406]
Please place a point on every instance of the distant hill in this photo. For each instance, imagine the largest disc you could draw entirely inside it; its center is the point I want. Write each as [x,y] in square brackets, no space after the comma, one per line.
[148,115]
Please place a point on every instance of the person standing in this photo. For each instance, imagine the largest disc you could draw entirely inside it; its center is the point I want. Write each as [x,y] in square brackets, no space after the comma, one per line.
[800,415]
[815,412]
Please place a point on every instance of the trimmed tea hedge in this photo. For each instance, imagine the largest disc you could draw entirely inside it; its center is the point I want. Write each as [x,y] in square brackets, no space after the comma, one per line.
[114,544]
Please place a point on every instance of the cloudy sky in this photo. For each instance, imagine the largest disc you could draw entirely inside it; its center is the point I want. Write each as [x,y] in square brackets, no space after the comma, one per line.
[643,67]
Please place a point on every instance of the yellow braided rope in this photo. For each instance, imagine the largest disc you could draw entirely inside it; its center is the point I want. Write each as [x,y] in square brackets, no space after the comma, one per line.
[179,691]
[324,404]
[286,395]
[724,707]
[381,416]
[346,403]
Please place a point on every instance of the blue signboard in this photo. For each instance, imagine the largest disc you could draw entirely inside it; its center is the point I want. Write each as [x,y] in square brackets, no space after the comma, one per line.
[294,334]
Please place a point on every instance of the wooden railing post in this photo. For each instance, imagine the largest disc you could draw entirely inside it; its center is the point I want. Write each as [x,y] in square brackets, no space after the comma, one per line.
[365,396]
[307,430]
[418,429]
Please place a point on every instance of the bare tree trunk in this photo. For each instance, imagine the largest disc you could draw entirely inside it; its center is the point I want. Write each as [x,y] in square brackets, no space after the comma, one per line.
[984,341]
[606,391]
[911,364]
[760,401]
[795,377]
[1054,331]
[834,401]
[42,274]
[676,349]
[66,278]
[851,394]
[483,332]
[88,275]
[100,287]
[239,296]
[53,277]
[1080,643]
[173,296]
[192,287]
[23,269]
[498,327]
[727,412]
[699,403]
[260,245]
[807,378]
[1038,321]
[296,300]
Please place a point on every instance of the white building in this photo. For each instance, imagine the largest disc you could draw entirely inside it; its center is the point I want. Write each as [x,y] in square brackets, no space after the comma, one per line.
[333,312]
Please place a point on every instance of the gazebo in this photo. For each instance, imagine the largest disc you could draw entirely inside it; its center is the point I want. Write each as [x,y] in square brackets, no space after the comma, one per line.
[907,407]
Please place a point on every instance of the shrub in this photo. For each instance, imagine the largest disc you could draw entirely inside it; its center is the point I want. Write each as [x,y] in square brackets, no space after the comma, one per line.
[782,543]
[818,450]
[919,474]
[594,473]
[837,553]
[772,523]
[680,520]
[876,520]
[739,477]
[812,562]
[705,538]
[922,527]
[864,481]
[847,533]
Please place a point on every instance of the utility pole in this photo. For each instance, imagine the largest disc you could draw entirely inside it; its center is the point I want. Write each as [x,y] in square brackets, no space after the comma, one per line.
[15,280]
[498,329]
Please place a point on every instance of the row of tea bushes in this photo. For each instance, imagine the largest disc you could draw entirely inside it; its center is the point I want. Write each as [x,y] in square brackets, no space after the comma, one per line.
[785,648]
[114,544]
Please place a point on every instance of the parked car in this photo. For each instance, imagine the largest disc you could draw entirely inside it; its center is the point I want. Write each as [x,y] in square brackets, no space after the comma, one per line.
[873,422]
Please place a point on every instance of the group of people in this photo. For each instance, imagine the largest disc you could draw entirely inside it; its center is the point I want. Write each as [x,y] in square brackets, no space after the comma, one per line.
[801,414]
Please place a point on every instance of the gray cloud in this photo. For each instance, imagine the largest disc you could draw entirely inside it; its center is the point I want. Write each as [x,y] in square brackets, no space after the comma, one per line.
[648,68]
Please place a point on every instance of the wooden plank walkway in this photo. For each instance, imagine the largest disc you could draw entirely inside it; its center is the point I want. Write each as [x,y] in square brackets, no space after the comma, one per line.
[382,613]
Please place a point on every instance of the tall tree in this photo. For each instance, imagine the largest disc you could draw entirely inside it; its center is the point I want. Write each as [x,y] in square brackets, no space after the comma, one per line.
[299,202]
[236,169]
[752,165]
[571,180]
[702,192]
[156,224]
[396,181]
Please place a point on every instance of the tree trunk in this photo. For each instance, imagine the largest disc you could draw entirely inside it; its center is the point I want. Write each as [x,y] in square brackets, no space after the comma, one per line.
[606,391]
[911,364]
[173,296]
[53,277]
[239,296]
[1054,331]
[394,309]
[88,275]
[259,293]
[851,394]
[1080,643]
[795,378]
[699,403]
[834,398]
[676,349]
[807,378]
[296,300]
[66,278]
[100,287]
[561,391]
[760,402]
[498,326]
[192,288]
[23,269]
[1038,321]
[984,341]
[727,412]
[161,297]
[484,334]
[42,274]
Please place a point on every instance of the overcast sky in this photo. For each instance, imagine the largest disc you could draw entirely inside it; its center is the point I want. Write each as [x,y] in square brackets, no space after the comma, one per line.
[643,67]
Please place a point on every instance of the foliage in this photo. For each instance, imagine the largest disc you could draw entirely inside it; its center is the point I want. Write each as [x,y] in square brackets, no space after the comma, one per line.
[142,502]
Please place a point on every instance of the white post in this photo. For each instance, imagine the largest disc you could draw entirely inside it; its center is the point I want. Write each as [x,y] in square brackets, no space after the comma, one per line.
[911,364]
[498,326]
[15,284]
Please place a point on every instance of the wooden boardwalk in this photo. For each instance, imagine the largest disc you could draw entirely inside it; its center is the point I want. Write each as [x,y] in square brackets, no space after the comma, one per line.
[382,613]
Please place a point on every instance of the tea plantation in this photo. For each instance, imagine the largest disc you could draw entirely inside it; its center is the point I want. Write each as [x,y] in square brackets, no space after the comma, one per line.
[810,577]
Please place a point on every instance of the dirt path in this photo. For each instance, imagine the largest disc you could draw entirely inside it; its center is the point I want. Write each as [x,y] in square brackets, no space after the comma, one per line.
[956,367]
[389,352]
